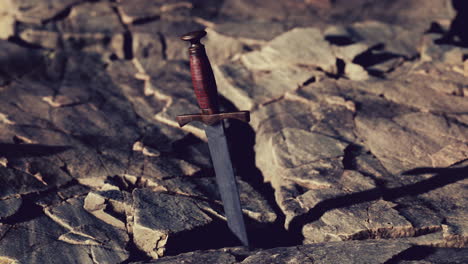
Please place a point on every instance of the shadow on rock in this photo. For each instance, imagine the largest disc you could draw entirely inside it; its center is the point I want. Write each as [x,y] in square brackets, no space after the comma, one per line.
[29,150]
[430,255]
[242,140]
[443,177]
[213,236]
[374,56]
[458,33]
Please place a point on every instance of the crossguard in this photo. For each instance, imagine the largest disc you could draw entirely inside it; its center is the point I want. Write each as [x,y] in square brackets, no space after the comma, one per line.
[204,85]
[214,118]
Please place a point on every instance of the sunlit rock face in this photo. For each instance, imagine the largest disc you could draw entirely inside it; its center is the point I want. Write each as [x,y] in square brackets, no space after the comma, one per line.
[356,151]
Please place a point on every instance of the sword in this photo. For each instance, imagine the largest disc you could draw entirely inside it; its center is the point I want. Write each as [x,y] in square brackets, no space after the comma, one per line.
[204,85]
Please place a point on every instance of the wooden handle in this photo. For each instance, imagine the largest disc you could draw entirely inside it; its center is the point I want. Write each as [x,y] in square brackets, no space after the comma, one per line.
[203,80]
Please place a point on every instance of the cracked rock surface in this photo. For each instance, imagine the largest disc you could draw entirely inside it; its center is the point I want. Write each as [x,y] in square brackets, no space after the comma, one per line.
[357,149]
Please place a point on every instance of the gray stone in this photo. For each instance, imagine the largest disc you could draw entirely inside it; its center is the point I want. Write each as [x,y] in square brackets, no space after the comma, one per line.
[133,12]
[253,203]
[17,61]
[221,47]
[155,219]
[18,182]
[448,54]
[85,229]
[251,30]
[290,13]
[429,93]
[169,31]
[160,95]
[36,12]
[9,206]
[303,46]
[91,18]
[332,252]
[43,240]
[307,188]
[344,252]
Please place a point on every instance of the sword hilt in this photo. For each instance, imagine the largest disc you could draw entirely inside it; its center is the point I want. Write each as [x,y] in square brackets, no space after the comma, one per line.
[204,85]
[203,80]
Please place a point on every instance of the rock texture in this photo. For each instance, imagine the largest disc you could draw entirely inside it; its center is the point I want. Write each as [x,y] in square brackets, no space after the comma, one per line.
[332,252]
[357,151]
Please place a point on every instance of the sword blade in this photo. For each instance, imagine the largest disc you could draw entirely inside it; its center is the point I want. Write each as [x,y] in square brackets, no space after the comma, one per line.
[225,179]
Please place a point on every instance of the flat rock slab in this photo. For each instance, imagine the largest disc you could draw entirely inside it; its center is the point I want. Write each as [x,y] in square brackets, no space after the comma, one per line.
[332,252]
[155,219]
[307,177]
[141,10]
[37,12]
[43,240]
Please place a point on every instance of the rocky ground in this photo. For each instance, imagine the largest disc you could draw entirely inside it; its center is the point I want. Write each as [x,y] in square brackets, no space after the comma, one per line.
[357,151]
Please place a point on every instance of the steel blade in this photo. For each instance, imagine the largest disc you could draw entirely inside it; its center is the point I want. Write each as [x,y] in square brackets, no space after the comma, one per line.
[226,181]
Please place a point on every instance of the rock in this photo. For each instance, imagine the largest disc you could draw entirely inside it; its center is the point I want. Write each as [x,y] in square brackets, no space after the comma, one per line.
[303,46]
[397,12]
[156,219]
[246,89]
[44,241]
[29,11]
[9,206]
[254,32]
[245,10]
[304,181]
[198,257]
[449,54]
[361,220]
[46,39]
[409,127]
[85,229]
[17,61]
[346,252]
[148,51]
[363,45]
[283,65]
[133,13]
[91,18]
[18,182]
[161,104]
[356,72]
[332,252]
[221,48]
[425,88]
[253,203]
[169,31]
[373,33]
[7,24]
[97,205]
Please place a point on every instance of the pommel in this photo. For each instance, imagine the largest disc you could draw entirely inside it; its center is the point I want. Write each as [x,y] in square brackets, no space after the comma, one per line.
[194,38]
[214,118]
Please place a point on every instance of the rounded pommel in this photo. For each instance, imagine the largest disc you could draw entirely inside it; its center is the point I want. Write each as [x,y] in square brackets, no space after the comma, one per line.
[194,37]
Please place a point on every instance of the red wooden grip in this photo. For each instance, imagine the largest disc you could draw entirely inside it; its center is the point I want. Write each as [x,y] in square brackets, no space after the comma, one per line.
[203,80]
